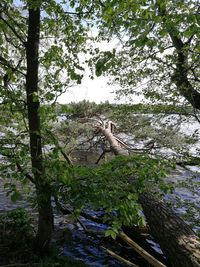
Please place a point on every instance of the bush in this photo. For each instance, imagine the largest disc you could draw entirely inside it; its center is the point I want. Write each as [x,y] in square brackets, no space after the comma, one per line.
[16,235]
[17,239]
[15,228]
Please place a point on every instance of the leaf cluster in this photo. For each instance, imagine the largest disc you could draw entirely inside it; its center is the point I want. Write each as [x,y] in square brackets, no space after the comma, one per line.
[113,186]
[146,60]
[16,233]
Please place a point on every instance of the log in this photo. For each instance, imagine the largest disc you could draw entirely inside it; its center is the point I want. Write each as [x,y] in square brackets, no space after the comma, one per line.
[176,239]
[114,145]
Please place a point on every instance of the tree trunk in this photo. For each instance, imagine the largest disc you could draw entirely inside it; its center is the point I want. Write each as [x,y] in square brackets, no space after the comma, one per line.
[43,191]
[177,240]
[181,74]
[175,237]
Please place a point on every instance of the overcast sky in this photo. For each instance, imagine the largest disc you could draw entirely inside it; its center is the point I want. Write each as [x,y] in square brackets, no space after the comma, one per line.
[96,90]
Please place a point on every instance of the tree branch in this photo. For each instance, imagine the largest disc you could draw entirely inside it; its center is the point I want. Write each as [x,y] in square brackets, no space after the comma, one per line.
[119,258]
[13,30]
[153,261]
[7,64]
[28,176]
[66,157]
[180,77]
[102,154]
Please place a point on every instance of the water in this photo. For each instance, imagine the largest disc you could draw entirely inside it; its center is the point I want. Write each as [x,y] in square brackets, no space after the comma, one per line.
[90,248]
[75,243]
[186,197]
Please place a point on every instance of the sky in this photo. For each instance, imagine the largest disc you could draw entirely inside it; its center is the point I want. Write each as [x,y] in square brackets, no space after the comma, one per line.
[96,90]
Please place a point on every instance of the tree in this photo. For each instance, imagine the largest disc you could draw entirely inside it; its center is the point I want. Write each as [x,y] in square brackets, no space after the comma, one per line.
[40,42]
[177,240]
[159,48]
[121,185]
[43,190]
[160,53]
[51,45]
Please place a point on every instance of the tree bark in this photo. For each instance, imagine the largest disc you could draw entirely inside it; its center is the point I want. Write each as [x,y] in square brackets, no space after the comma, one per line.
[180,77]
[45,223]
[114,145]
[175,237]
[177,240]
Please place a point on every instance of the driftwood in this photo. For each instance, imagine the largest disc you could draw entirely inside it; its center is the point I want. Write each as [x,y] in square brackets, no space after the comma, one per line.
[177,240]
[141,251]
[119,258]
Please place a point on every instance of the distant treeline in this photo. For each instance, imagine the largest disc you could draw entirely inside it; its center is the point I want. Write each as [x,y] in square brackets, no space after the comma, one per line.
[86,108]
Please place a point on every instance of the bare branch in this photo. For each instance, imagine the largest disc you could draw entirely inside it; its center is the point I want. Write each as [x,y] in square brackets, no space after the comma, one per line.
[7,64]
[66,157]
[102,154]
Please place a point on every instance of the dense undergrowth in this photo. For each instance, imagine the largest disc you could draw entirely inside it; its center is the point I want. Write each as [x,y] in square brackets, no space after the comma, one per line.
[17,236]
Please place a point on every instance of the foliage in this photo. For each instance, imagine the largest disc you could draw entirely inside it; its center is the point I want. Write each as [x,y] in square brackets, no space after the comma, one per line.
[16,235]
[113,186]
[41,43]
[153,37]
[17,222]
[62,39]
[87,109]
[17,243]
[158,46]
[139,125]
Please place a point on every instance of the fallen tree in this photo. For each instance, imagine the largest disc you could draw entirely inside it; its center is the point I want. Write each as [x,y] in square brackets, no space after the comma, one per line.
[176,239]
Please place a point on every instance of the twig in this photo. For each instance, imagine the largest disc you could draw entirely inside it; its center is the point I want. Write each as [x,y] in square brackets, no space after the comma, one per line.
[7,64]
[13,30]
[66,211]
[66,157]
[102,154]
[141,251]
[113,254]
[28,176]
